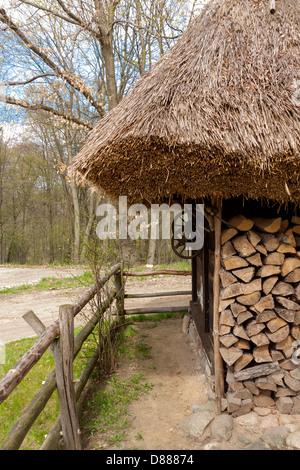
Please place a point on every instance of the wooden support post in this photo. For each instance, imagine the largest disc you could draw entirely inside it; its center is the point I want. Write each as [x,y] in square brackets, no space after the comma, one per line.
[119,284]
[218,362]
[64,379]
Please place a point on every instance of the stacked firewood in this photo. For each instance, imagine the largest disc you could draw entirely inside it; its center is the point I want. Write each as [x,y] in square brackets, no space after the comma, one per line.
[259,323]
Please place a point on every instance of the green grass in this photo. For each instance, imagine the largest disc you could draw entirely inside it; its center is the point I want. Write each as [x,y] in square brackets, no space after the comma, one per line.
[13,407]
[108,407]
[82,280]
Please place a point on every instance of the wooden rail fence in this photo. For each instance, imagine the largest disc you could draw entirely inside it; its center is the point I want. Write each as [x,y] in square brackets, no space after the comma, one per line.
[59,338]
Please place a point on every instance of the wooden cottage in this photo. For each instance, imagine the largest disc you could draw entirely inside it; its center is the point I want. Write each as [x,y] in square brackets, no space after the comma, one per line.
[217,121]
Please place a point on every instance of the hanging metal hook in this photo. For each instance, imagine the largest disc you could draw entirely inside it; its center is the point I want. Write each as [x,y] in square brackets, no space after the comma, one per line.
[272,6]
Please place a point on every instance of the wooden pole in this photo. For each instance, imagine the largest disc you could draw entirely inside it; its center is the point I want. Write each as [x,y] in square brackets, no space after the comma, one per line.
[158,272]
[218,362]
[64,379]
[119,284]
[158,294]
[146,311]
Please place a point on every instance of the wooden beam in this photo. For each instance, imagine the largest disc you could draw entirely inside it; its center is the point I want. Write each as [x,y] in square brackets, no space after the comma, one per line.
[218,362]
[158,272]
[157,294]
[145,311]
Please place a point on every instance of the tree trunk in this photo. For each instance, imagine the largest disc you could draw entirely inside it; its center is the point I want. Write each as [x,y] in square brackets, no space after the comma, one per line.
[75,201]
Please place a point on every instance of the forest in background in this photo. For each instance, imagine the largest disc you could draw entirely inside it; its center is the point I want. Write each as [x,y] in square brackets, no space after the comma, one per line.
[63,65]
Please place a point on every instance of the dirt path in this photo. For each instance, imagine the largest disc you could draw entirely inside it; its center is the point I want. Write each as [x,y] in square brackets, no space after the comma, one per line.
[45,304]
[178,383]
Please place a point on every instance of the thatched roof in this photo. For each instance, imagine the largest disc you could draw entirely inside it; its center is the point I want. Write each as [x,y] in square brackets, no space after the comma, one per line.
[217,116]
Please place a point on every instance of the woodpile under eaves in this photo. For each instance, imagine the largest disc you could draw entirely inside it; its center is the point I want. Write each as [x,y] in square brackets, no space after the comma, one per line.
[260,313]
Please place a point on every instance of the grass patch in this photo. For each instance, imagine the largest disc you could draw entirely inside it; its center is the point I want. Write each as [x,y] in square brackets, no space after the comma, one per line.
[82,280]
[13,407]
[108,408]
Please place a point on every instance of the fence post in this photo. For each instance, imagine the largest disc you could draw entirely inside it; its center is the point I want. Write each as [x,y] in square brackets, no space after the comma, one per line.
[119,284]
[63,355]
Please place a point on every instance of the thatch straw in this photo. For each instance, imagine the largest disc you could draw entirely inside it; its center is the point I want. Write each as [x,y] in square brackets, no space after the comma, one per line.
[217,116]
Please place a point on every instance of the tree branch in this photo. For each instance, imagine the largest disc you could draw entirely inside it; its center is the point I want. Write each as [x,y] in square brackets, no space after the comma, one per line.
[30,79]
[48,109]
[69,77]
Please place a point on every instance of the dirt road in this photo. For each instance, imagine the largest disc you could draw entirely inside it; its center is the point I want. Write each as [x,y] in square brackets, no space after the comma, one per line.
[45,304]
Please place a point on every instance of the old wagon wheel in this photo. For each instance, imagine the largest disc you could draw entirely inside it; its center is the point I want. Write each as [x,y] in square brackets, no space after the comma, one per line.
[180,237]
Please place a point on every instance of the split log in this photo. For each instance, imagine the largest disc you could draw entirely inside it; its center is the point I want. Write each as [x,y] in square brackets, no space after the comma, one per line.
[286,248]
[231,291]
[289,265]
[288,237]
[287,364]
[292,383]
[227,278]
[293,276]
[296,229]
[239,331]
[269,283]
[243,361]
[284,225]
[224,330]
[234,385]
[250,287]
[286,346]
[295,331]
[277,378]
[227,235]
[276,355]
[287,315]
[234,262]
[255,260]
[243,246]
[223,304]
[268,225]
[286,303]
[265,303]
[257,371]
[265,316]
[279,335]
[237,308]
[244,316]
[261,249]
[242,344]
[250,385]
[241,223]
[261,354]
[274,258]
[268,270]
[244,274]
[230,355]
[249,299]
[253,328]
[265,383]
[283,289]
[226,318]
[276,323]
[297,293]
[260,339]
[227,250]
[254,238]
[228,340]
[270,242]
